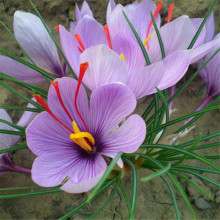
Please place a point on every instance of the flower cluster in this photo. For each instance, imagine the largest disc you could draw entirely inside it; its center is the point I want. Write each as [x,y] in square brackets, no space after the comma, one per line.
[78,134]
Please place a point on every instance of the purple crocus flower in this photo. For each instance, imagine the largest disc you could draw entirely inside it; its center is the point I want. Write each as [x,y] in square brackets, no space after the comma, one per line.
[33,37]
[72,136]
[7,141]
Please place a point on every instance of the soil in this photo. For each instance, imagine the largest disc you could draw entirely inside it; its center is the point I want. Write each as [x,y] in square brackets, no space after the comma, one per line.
[154,201]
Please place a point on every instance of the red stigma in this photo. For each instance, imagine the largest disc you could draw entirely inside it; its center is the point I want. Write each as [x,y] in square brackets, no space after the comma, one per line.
[83,68]
[57,28]
[108,36]
[158,8]
[77,36]
[56,86]
[170,11]
[44,105]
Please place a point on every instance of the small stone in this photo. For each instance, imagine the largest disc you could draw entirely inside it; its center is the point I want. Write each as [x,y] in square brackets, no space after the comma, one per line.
[202,203]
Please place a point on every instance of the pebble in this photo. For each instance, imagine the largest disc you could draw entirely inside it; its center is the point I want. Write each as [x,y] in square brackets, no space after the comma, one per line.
[202,203]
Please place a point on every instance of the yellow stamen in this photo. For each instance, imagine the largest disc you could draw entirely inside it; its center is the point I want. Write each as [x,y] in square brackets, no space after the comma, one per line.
[122,57]
[147,39]
[79,138]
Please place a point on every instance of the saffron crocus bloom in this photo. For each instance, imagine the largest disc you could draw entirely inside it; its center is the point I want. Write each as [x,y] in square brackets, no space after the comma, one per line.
[7,141]
[70,139]
[33,37]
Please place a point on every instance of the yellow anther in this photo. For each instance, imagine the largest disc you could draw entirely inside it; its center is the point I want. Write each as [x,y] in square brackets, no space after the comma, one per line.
[122,57]
[79,138]
[147,39]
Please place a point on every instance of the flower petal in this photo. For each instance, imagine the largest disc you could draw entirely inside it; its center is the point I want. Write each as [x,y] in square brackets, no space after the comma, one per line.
[127,138]
[146,79]
[105,66]
[85,10]
[19,71]
[70,48]
[33,37]
[91,32]
[111,6]
[109,105]
[67,87]
[210,28]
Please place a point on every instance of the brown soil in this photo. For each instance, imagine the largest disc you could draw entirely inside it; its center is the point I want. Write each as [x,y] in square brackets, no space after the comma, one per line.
[154,201]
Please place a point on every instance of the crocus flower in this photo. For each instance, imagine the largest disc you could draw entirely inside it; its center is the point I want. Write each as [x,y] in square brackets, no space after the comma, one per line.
[33,37]
[7,141]
[73,140]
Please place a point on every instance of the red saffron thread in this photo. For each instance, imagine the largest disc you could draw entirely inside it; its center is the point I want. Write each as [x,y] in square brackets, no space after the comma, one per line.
[83,68]
[77,36]
[108,36]
[56,86]
[170,11]
[57,28]
[44,105]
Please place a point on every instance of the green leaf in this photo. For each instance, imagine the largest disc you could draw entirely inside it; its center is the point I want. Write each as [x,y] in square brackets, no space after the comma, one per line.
[21,95]
[194,184]
[69,214]
[21,188]
[158,36]
[148,110]
[134,184]
[20,108]
[200,169]
[138,39]
[106,203]
[158,173]
[12,125]
[12,196]
[202,25]
[173,198]
[53,39]
[3,131]
[105,176]
[14,148]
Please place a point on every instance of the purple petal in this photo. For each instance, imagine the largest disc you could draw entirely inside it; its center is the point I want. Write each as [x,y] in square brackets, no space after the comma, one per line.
[201,51]
[27,116]
[91,32]
[67,87]
[85,10]
[210,28]
[6,140]
[176,35]
[109,105]
[105,66]
[176,66]
[19,71]
[142,18]
[72,26]
[33,37]
[111,6]
[85,186]
[127,138]
[70,48]
[146,79]
[130,49]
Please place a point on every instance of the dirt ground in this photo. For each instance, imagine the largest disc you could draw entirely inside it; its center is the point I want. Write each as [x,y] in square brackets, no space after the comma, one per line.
[154,201]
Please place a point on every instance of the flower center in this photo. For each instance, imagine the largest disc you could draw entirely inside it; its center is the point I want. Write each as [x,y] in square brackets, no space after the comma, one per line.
[83,139]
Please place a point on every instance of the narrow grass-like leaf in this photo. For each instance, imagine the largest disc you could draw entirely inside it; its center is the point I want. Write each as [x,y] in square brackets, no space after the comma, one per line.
[138,39]
[148,110]
[183,118]
[200,169]
[12,125]
[173,198]
[202,25]
[19,108]
[158,36]
[53,39]
[26,63]
[183,87]
[14,148]
[21,95]
[157,173]
[25,85]
[106,203]
[197,175]
[134,184]
[21,188]
[194,184]
[105,176]
[125,198]
[2,131]
[19,195]
[72,212]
